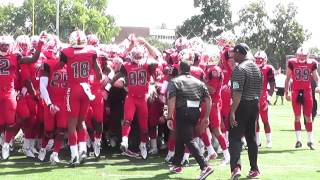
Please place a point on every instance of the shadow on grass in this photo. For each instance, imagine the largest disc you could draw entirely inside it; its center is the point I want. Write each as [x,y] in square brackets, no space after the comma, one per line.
[281,151]
[159,176]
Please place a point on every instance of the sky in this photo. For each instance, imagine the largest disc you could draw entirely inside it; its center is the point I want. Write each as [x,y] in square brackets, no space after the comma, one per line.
[152,13]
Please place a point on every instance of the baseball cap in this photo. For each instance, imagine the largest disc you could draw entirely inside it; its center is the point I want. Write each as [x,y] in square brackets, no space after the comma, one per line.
[241,48]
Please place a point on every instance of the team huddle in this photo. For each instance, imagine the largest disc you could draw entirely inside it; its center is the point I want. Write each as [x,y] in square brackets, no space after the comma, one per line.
[50,91]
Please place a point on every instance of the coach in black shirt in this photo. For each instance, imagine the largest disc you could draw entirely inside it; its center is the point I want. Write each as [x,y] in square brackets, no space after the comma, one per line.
[185,96]
[246,84]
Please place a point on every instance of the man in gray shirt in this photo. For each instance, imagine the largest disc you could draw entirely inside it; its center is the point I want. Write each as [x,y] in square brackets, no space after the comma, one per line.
[246,84]
[185,94]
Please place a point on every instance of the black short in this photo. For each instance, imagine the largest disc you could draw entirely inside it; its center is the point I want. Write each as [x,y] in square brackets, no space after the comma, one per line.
[280,92]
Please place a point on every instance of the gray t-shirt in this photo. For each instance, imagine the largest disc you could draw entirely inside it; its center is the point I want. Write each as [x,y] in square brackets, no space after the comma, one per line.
[247,78]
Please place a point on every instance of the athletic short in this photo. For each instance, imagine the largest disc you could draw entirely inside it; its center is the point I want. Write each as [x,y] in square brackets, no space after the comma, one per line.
[280,92]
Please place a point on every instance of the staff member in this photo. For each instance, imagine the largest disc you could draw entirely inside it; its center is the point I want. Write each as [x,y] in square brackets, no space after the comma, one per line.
[246,84]
[185,95]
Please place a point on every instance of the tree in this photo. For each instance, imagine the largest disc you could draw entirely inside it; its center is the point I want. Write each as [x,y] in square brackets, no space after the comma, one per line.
[254,22]
[214,18]
[287,35]
[88,15]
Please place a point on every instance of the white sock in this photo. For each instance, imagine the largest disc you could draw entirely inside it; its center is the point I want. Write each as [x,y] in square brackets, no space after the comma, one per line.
[74,151]
[226,154]
[243,139]
[186,156]
[268,137]
[125,139]
[309,136]
[298,135]
[170,153]
[210,149]
[153,143]
[143,144]
[82,147]
[258,138]
[97,140]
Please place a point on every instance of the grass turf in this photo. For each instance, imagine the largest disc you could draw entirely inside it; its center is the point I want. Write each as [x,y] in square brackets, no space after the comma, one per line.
[283,161]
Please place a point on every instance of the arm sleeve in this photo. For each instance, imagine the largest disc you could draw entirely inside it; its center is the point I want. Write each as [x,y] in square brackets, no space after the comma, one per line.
[43,90]
[270,76]
[171,89]
[238,79]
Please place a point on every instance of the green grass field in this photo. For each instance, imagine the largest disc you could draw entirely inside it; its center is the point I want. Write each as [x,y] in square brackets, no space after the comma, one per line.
[283,161]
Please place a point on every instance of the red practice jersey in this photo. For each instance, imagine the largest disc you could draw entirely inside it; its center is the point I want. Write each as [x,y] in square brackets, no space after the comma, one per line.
[214,76]
[302,73]
[268,77]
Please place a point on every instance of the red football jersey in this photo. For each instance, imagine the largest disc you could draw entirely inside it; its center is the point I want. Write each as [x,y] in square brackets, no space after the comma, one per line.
[79,63]
[8,71]
[214,76]
[138,77]
[268,76]
[57,79]
[302,73]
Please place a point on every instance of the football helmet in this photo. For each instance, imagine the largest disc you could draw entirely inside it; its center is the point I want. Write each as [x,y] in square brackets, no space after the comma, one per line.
[78,39]
[196,44]
[187,56]
[181,43]
[302,54]
[137,54]
[92,40]
[23,43]
[226,39]
[34,41]
[6,43]
[52,45]
[261,58]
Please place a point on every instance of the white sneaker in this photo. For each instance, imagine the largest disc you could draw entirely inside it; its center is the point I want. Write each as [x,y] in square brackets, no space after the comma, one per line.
[124,146]
[5,151]
[42,154]
[269,144]
[153,151]
[54,158]
[143,151]
[97,147]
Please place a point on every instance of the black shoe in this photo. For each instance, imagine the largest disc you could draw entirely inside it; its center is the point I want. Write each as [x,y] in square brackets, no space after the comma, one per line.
[311,146]
[298,144]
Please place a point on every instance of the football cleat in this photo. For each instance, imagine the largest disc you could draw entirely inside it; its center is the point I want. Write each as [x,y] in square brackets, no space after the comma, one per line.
[213,155]
[205,173]
[143,151]
[298,144]
[175,169]
[29,153]
[185,162]
[82,157]
[54,158]
[168,159]
[74,161]
[269,144]
[5,151]
[311,146]
[42,154]
[130,154]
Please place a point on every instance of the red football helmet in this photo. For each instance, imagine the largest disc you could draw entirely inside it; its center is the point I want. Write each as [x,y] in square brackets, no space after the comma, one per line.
[93,40]
[261,58]
[302,54]
[23,44]
[137,54]
[181,43]
[211,56]
[78,39]
[6,43]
